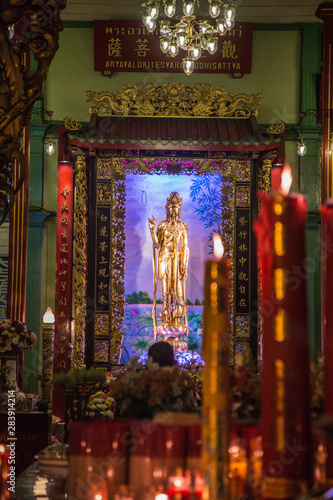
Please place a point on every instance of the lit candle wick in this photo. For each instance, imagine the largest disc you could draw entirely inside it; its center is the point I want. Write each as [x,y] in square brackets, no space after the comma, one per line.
[218,246]
[286,180]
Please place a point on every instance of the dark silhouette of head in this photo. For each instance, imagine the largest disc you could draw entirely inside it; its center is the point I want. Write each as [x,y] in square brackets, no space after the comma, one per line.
[162,353]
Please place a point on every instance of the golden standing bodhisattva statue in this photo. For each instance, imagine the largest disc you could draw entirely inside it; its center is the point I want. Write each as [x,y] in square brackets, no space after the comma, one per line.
[171,240]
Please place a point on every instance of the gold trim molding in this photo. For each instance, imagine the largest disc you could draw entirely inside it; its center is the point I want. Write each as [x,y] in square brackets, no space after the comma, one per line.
[173,100]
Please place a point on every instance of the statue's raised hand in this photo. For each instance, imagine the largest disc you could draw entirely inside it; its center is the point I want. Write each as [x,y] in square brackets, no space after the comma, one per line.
[152,224]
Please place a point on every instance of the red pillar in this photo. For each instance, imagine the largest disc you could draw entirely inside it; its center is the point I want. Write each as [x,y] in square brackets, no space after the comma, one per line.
[325,12]
[63,291]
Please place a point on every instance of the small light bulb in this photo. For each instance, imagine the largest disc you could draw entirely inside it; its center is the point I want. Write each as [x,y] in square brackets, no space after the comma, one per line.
[188,65]
[220,26]
[154,10]
[182,40]
[212,45]
[170,8]
[229,11]
[164,44]
[214,8]
[188,7]
[196,52]
[230,23]
[173,49]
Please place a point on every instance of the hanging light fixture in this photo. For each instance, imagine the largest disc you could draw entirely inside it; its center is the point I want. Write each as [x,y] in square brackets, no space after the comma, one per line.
[301,146]
[192,34]
[49,144]
[49,141]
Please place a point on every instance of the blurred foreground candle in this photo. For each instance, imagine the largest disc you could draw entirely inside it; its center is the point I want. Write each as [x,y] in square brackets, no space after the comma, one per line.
[286,431]
[327,273]
[216,378]
[179,488]
[237,468]
[97,459]
[7,474]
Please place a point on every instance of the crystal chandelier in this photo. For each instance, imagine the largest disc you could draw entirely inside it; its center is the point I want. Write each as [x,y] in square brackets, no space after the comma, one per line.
[190,34]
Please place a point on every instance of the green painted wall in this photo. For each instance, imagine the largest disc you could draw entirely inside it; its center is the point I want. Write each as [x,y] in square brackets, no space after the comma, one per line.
[32,359]
[275,73]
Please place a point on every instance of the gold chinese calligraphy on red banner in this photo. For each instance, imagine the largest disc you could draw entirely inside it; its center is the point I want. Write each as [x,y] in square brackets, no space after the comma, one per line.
[128,46]
[63,290]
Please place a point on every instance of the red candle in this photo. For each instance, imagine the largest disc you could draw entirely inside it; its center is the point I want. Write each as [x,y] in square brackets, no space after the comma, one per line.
[216,379]
[286,430]
[7,473]
[327,273]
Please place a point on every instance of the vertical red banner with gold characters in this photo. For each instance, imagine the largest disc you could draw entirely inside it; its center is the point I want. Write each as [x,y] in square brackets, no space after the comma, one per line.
[63,292]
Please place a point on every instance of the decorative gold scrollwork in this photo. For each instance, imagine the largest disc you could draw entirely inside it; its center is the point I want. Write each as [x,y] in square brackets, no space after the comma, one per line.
[277,128]
[80,259]
[71,124]
[117,302]
[173,100]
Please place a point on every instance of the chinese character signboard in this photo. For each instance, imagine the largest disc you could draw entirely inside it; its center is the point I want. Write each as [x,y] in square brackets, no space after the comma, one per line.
[128,46]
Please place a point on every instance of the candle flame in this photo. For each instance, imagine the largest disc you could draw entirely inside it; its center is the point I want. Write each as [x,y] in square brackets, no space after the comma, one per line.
[286,180]
[218,246]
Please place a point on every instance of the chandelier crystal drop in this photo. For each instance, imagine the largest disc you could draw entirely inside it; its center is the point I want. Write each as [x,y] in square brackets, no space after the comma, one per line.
[192,33]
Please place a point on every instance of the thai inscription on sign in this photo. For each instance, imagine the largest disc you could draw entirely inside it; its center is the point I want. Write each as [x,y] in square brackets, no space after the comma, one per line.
[128,46]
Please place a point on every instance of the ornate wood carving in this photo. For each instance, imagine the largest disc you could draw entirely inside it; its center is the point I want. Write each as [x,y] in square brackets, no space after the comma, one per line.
[173,100]
[19,91]
[234,173]
[80,258]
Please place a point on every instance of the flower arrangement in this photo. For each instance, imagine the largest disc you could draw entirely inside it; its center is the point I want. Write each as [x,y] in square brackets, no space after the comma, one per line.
[195,369]
[83,388]
[245,388]
[142,390]
[15,337]
[100,404]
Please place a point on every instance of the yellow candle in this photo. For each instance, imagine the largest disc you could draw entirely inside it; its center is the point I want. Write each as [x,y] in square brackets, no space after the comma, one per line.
[216,384]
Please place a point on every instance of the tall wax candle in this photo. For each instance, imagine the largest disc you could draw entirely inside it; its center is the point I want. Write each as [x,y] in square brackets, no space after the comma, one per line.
[286,431]
[327,273]
[216,378]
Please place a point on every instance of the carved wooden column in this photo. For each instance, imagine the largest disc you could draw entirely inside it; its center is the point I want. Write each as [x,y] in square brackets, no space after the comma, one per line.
[18,246]
[80,258]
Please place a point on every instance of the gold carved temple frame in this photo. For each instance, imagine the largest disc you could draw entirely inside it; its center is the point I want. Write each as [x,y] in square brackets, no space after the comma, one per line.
[242,175]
